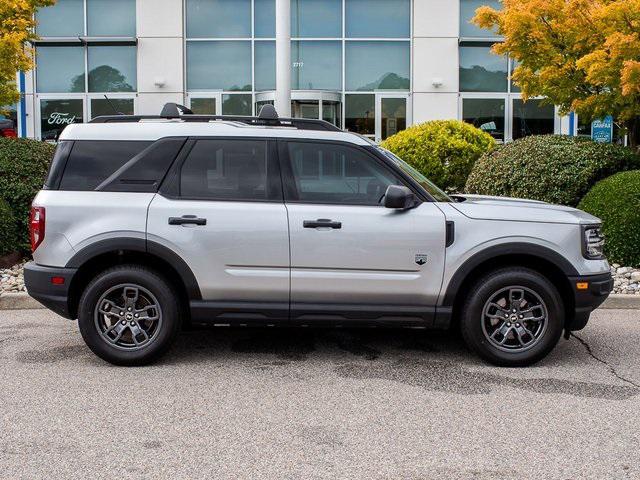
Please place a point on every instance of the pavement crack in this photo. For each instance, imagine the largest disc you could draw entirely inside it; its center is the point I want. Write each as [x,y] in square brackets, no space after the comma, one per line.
[604,362]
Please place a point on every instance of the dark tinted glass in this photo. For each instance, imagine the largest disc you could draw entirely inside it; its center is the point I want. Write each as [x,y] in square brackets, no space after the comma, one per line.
[226,170]
[57,164]
[327,173]
[532,118]
[91,162]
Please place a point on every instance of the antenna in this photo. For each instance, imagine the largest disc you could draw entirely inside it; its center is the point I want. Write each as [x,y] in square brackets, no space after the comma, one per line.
[113,106]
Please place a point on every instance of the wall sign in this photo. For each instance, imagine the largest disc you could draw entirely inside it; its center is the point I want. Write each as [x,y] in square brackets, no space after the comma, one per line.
[602,130]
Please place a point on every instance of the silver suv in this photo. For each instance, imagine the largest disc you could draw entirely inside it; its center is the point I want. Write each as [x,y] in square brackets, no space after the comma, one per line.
[149,223]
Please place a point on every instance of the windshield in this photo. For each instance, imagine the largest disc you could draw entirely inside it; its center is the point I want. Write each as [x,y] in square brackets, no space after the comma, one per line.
[434,191]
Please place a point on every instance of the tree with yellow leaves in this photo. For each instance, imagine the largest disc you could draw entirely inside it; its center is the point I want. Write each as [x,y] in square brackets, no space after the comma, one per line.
[16,29]
[582,55]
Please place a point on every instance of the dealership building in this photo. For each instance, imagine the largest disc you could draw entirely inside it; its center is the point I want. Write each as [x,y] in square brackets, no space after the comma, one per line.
[368,66]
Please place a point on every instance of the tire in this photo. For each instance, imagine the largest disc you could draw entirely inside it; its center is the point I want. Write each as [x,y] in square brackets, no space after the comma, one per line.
[143,300]
[503,307]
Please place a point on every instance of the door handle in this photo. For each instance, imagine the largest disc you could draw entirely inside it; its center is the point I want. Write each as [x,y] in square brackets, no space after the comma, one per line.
[321,223]
[187,220]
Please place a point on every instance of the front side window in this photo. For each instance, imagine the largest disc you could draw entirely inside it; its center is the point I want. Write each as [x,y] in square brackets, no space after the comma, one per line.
[226,170]
[336,174]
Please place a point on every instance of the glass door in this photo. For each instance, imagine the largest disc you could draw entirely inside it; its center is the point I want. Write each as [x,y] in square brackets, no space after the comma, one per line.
[205,103]
[392,114]
[54,113]
[113,104]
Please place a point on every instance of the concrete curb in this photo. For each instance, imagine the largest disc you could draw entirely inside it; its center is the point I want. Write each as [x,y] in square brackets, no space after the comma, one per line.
[22,301]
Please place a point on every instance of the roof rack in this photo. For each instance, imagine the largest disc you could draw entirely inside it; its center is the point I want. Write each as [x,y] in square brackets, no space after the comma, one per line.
[267,117]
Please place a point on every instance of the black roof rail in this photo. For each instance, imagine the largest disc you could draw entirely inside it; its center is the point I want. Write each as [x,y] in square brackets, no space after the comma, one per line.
[178,112]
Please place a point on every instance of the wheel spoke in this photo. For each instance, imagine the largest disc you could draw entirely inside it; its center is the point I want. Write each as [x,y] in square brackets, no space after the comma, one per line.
[143,313]
[136,331]
[130,295]
[108,307]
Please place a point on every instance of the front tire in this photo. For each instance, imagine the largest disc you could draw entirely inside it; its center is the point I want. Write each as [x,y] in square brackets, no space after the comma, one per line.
[513,317]
[129,315]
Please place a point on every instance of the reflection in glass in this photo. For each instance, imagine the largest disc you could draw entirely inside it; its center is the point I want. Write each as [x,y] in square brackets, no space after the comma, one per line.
[111,17]
[305,109]
[59,69]
[57,114]
[532,118]
[468,11]
[514,87]
[360,113]
[378,18]
[377,66]
[264,18]
[316,65]
[236,105]
[113,106]
[112,69]
[219,65]
[265,58]
[482,71]
[218,18]
[316,18]
[487,114]
[331,112]
[394,116]
[203,106]
[64,19]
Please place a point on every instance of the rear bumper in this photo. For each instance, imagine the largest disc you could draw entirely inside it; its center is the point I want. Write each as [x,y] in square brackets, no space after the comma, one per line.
[586,300]
[38,281]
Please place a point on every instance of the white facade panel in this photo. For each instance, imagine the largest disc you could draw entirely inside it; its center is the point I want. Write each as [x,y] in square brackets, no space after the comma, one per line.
[435,65]
[434,106]
[436,18]
[159,18]
[152,103]
[160,65]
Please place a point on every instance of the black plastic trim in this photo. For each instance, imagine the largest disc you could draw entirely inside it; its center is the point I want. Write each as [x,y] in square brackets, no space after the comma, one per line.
[37,280]
[262,313]
[399,315]
[450,229]
[586,301]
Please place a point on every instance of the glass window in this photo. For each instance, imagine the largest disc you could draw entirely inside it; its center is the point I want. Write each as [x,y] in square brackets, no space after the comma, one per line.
[583,128]
[394,116]
[225,170]
[116,18]
[482,71]
[487,114]
[532,118]
[236,105]
[326,173]
[113,106]
[316,18]
[57,114]
[316,65]
[203,106]
[265,18]
[331,112]
[112,69]
[60,69]
[377,66]
[218,18]
[514,87]
[219,65]
[378,18]
[360,114]
[468,11]
[92,161]
[265,58]
[64,19]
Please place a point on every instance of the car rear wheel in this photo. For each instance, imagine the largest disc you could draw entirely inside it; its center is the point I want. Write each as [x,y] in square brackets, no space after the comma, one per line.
[512,317]
[128,315]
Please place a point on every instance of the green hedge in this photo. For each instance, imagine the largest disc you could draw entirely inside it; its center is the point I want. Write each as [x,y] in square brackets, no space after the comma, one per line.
[616,200]
[8,232]
[551,168]
[23,168]
[443,150]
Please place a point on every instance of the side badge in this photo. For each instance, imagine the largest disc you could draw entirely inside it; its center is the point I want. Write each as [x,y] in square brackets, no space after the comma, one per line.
[421,259]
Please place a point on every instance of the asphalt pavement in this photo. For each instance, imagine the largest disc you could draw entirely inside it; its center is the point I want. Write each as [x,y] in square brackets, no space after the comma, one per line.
[315,404]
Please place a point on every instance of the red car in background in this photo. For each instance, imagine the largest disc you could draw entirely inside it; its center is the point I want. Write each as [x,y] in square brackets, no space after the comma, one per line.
[7,128]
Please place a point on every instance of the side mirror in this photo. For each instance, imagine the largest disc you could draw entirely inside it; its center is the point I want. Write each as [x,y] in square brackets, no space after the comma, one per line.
[399,196]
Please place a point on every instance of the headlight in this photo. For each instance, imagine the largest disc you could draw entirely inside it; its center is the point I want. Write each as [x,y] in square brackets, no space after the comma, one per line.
[592,242]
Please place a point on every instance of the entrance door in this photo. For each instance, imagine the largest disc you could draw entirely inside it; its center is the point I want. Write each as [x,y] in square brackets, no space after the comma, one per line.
[55,113]
[205,103]
[392,114]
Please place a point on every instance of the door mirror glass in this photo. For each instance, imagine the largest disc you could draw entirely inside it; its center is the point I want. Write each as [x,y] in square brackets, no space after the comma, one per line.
[399,196]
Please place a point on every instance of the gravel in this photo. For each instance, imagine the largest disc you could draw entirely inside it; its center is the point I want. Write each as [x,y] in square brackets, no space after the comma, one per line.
[626,279]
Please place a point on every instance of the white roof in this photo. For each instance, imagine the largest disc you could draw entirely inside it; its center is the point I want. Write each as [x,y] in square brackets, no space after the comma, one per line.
[151,130]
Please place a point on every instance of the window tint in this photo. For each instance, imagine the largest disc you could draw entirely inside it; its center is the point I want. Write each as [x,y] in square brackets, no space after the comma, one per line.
[226,170]
[91,162]
[327,173]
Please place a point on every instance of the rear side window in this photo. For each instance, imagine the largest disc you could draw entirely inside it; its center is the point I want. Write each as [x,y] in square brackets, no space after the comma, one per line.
[228,170]
[91,162]
[58,163]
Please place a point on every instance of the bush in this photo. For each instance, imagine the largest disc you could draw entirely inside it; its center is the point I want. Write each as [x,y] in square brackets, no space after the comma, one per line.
[616,200]
[551,168]
[8,232]
[443,150]
[23,168]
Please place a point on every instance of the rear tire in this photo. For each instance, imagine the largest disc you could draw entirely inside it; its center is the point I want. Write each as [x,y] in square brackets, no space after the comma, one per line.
[129,315]
[513,317]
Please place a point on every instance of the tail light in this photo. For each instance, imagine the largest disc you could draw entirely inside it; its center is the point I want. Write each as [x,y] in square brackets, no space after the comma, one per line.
[8,132]
[36,227]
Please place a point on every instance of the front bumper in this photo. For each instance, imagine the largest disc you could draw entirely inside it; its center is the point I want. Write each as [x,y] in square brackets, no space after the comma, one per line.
[598,288]
[40,285]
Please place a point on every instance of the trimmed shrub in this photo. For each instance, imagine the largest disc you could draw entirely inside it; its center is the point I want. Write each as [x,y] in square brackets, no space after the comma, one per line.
[8,232]
[23,168]
[616,200]
[552,168]
[443,150]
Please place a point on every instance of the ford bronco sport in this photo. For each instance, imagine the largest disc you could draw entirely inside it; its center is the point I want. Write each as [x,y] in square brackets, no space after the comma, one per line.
[146,223]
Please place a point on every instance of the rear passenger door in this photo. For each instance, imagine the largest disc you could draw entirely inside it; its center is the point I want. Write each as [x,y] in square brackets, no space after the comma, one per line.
[221,210]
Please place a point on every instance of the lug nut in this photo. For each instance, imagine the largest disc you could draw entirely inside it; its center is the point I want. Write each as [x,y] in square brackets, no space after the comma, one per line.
[129,309]
[132,323]
[121,313]
[508,324]
[517,324]
[123,322]
[136,315]
[521,316]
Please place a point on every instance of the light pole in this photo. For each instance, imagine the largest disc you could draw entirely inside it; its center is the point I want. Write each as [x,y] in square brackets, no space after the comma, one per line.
[283,58]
